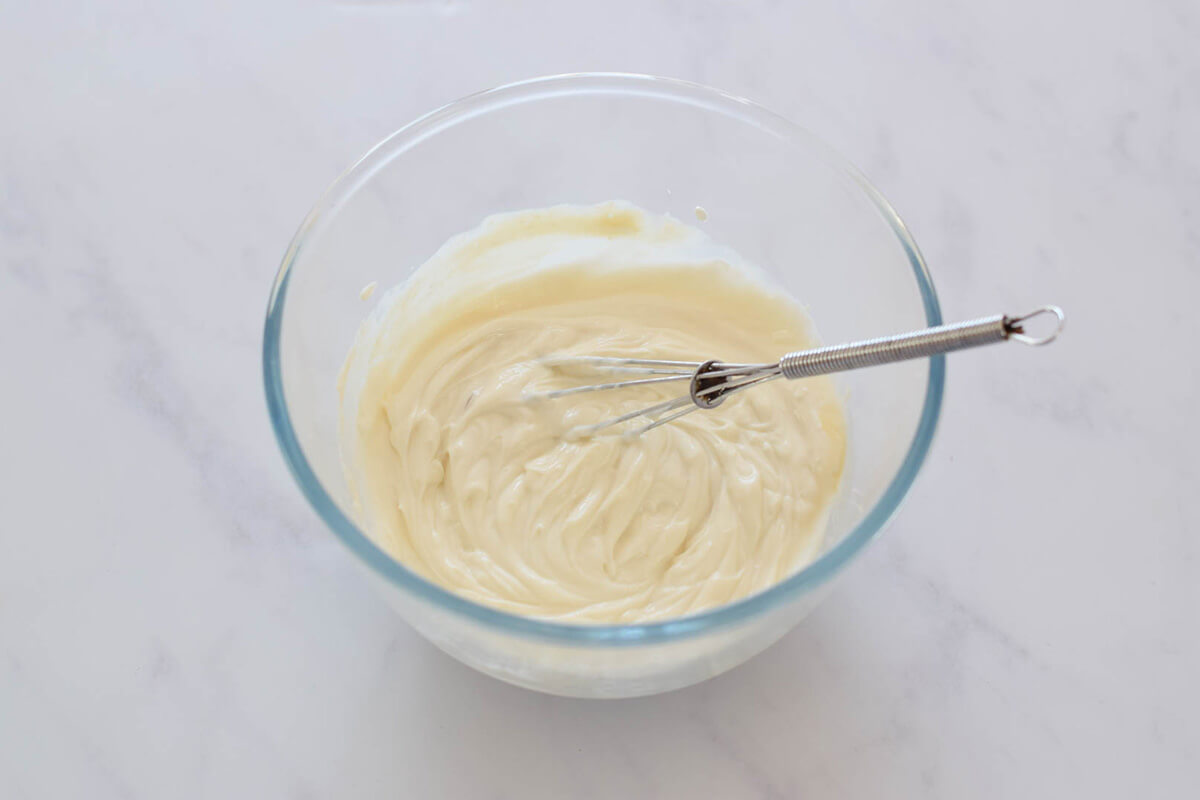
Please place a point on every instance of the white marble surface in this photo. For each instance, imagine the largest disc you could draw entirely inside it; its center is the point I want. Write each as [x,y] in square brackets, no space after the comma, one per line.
[174,621]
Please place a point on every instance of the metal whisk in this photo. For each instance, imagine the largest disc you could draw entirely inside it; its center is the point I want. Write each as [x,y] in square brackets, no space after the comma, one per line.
[711,382]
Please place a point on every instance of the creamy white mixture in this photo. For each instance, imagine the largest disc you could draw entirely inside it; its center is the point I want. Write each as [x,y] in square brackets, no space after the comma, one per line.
[465,480]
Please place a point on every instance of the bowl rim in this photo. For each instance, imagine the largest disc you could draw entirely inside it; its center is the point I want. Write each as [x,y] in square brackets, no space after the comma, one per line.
[377,560]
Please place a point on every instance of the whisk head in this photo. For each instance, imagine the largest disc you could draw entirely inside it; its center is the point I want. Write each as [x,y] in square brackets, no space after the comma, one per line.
[709,384]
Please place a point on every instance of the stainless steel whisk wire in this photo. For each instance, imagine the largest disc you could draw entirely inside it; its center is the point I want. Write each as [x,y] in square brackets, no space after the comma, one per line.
[711,382]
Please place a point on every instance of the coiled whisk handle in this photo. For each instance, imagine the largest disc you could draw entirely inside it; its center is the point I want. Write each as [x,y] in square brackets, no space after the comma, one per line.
[918,344]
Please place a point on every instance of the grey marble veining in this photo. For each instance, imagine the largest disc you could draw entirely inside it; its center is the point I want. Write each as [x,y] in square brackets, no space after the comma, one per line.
[174,622]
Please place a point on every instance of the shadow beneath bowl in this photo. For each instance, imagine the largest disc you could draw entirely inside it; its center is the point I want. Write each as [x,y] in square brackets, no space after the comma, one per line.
[780,721]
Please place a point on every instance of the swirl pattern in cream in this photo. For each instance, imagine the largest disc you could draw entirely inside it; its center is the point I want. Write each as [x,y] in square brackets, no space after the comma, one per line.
[465,480]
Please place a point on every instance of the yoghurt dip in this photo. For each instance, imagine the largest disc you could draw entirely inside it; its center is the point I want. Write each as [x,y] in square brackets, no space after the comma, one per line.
[464,479]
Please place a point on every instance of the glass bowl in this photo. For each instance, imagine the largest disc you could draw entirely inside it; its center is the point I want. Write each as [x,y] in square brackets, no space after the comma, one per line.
[772,191]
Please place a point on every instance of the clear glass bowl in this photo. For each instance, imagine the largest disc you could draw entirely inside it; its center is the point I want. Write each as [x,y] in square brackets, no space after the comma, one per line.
[772,191]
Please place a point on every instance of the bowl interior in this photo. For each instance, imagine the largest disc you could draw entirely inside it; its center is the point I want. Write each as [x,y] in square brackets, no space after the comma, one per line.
[771,191]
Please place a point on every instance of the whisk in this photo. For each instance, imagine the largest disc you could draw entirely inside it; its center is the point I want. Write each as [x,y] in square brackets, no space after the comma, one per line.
[712,382]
